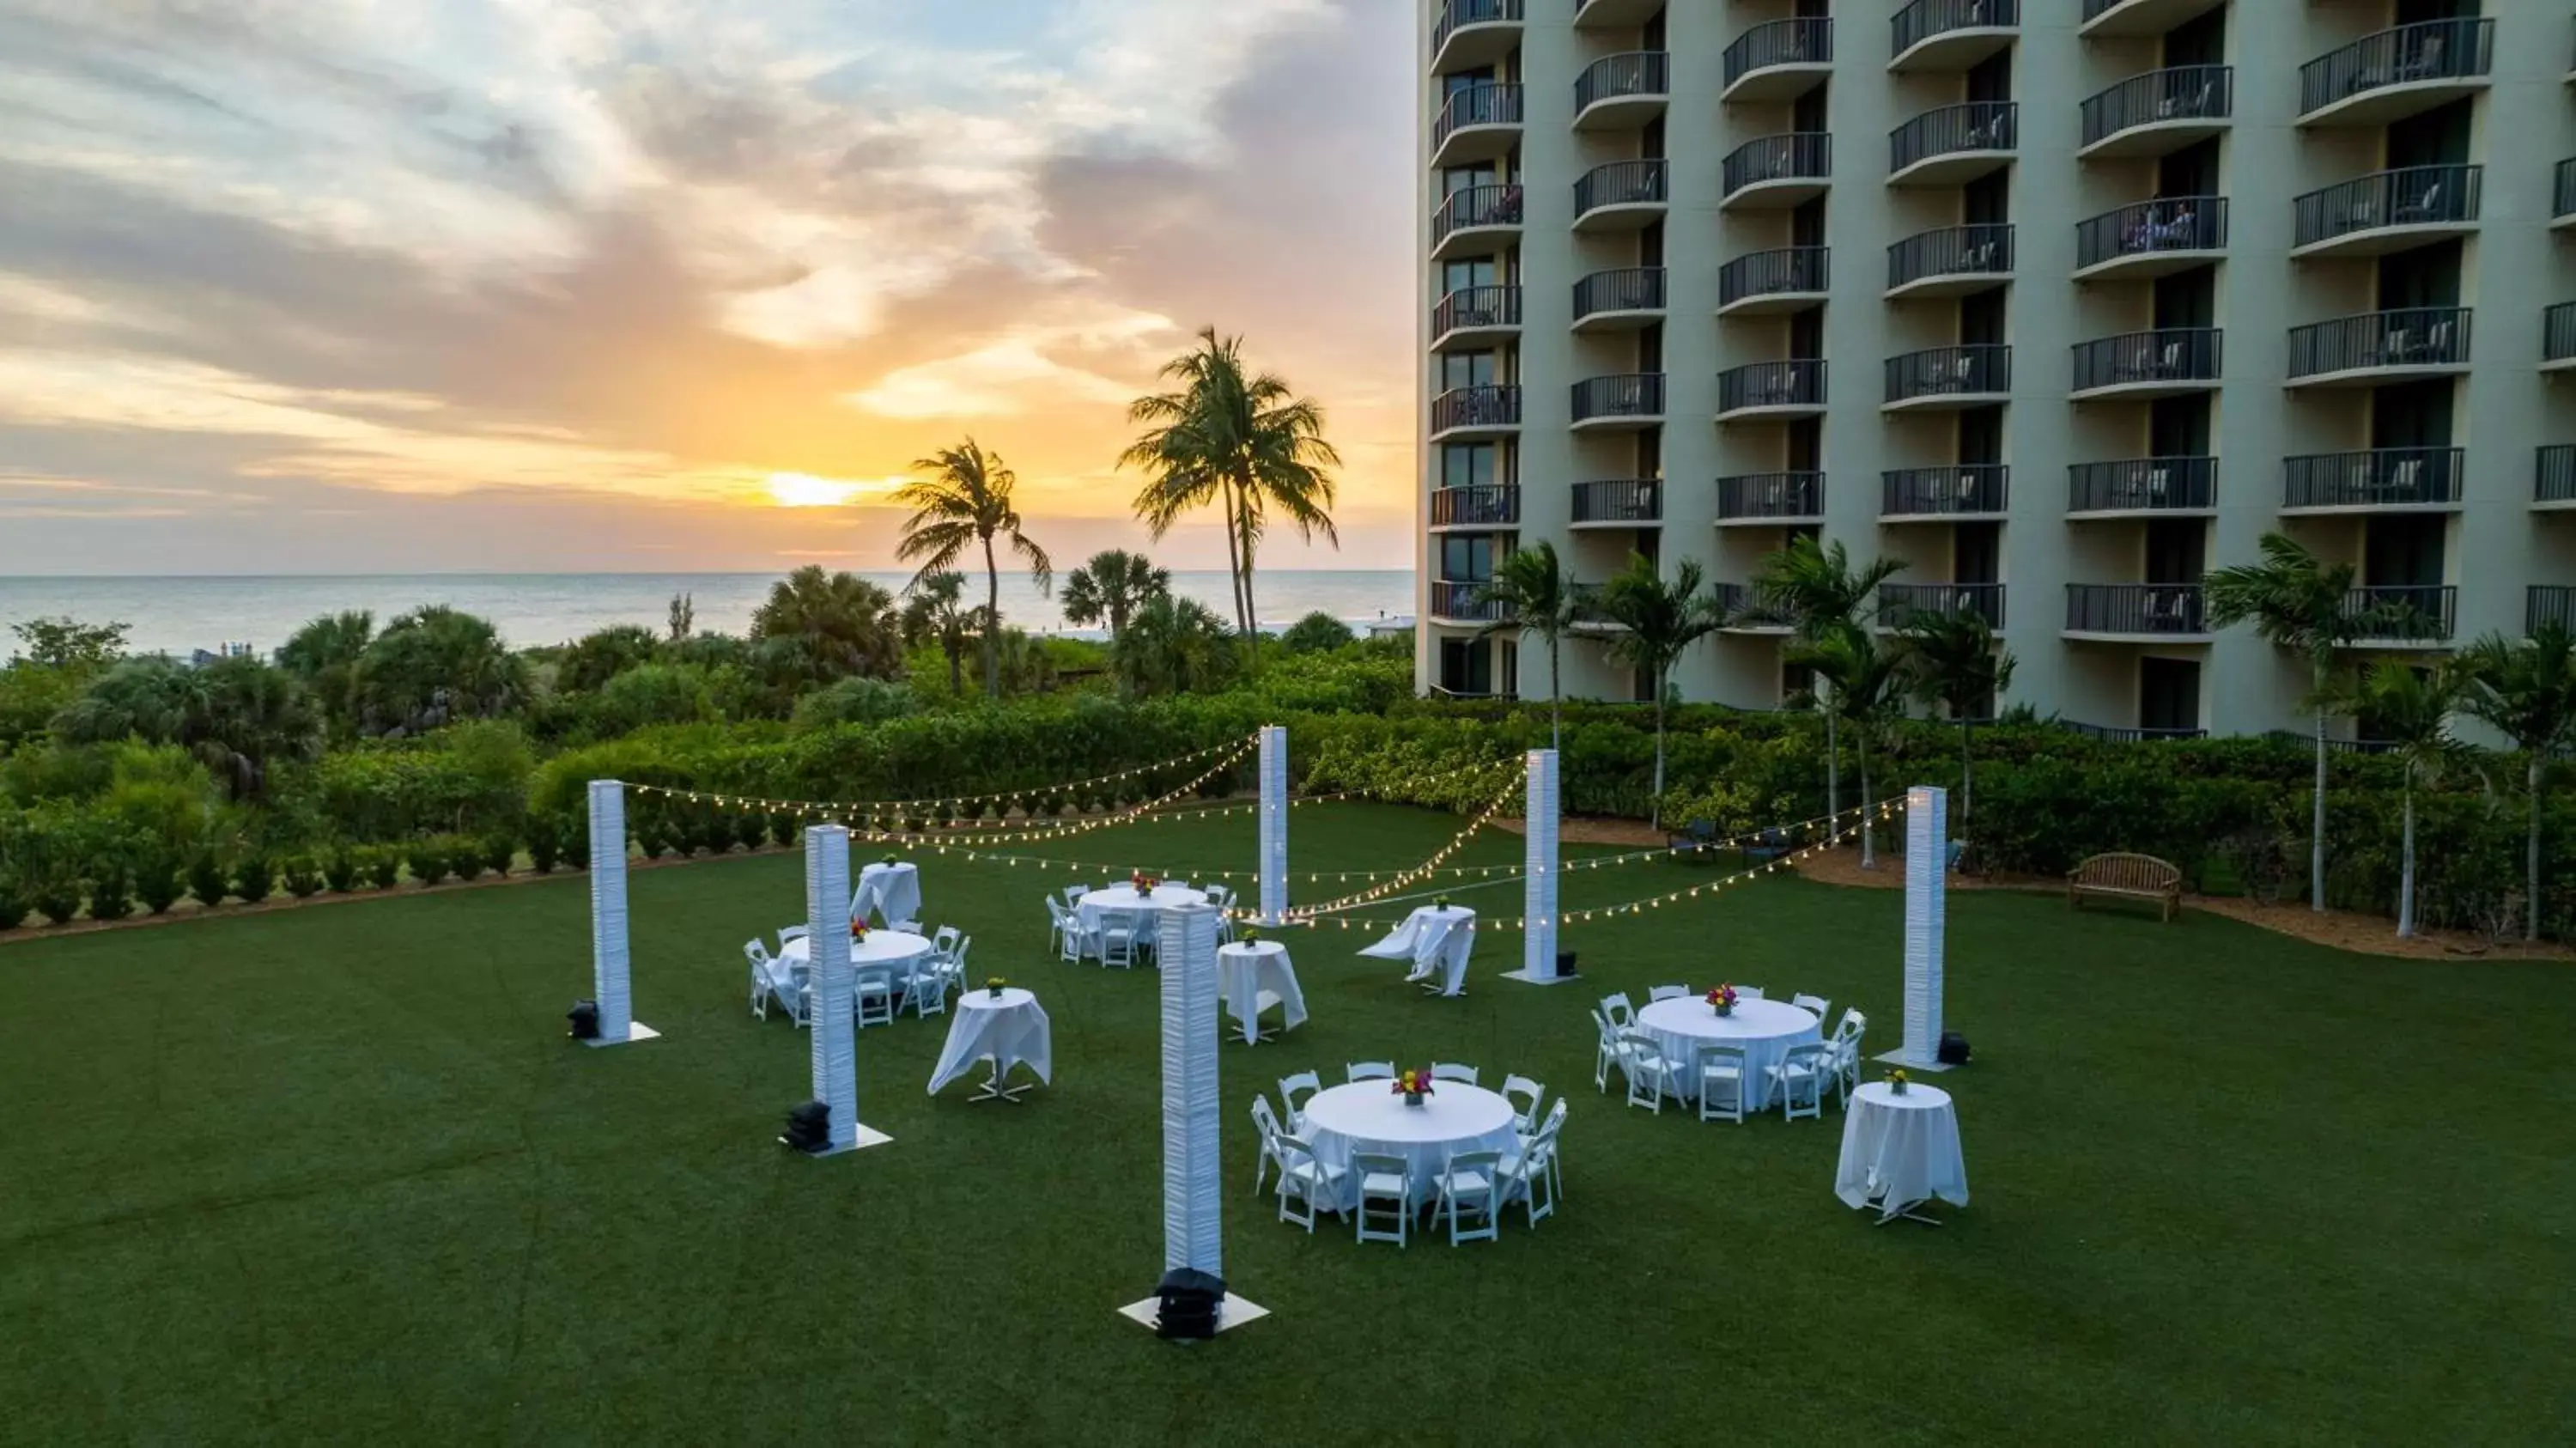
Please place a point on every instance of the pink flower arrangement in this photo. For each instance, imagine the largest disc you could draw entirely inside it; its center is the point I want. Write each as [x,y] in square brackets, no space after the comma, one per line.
[1411,1083]
[1722,1000]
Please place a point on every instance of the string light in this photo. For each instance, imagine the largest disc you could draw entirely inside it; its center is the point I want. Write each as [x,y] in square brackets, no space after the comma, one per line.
[1457,842]
[934,804]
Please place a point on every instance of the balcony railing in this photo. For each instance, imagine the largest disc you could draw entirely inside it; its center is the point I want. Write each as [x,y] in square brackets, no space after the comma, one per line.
[1796,382]
[1898,602]
[1619,500]
[2168,355]
[1806,40]
[1469,308]
[2433,50]
[1629,74]
[1486,103]
[2413,337]
[2554,481]
[2563,194]
[1957,489]
[2406,612]
[1628,289]
[2134,608]
[2183,93]
[1985,249]
[2128,734]
[1741,606]
[1969,126]
[1771,495]
[2548,603]
[1482,406]
[2558,333]
[1465,601]
[1621,183]
[1982,367]
[1924,19]
[1470,12]
[1476,206]
[1795,155]
[1769,273]
[1629,394]
[1486,505]
[2180,223]
[2387,477]
[2413,196]
[2179,484]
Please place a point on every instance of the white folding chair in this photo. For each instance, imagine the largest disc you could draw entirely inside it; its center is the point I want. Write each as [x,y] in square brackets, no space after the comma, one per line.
[1289,1087]
[1799,1082]
[1622,1016]
[1667,993]
[1223,899]
[1748,992]
[874,993]
[1846,1054]
[1525,1173]
[1721,1071]
[1265,1129]
[1606,1054]
[1520,1089]
[908,927]
[1307,1181]
[1119,942]
[1642,1061]
[1818,1004]
[1450,1071]
[1073,895]
[1369,1071]
[926,994]
[758,954]
[1386,1179]
[944,943]
[1471,1181]
[1554,1131]
[787,933]
[1064,931]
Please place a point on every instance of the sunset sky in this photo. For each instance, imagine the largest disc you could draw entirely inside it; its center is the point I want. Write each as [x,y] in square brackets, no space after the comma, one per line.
[394,285]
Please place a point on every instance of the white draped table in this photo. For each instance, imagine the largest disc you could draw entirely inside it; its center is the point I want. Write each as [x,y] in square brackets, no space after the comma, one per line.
[891,892]
[1370,1116]
[1763,1029]
[1254,975]
[1006,1031]
[1437,939]
[1900,1150]
[892,951]
[1148,908]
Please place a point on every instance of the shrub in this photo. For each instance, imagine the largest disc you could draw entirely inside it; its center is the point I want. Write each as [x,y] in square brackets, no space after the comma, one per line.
[302,877]
[855,701]
[254,877]
[157,880]
[208,881]
[464,858]
[500,852]
[545,843]
[13,910]
[111,888]
[428,861]
[381,865]
[340,870]
[1318,632]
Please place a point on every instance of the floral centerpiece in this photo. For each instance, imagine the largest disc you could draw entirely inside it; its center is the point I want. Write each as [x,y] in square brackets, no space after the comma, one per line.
[1722,1000]
[1144,881]
[890,859]
[1251,935]
[1439,902]
[1412,1086]
[858,931]
[1896,1082]
[993,986]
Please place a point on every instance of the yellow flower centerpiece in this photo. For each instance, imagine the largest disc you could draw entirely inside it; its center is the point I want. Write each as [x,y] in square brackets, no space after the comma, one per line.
[994,986]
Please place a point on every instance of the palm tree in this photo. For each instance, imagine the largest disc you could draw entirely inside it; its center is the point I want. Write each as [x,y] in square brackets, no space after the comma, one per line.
[936,611]
[2301,604]
[1866,676]
[1657,621]
[1952,660]
[1108,589]
[967,499]
[2411,708]
[1172,645]
[1815,590]
[324,654]
[1537,595]
[2527,692]
[435,664]
[841,623]
[1244,441]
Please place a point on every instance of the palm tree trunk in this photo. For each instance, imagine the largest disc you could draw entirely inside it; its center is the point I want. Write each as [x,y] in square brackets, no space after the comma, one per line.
[2406,869]
[1967,769]
[1556,702]
[2531,855]
[2317,827]
[1833,774]
[992,622]
[1251,611]
[1655,811]
[956,658]
[1233,554]
[1868,817]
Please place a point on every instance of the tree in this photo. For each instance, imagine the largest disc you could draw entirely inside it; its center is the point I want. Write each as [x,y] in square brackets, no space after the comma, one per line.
[325,654]
[935,612]
[1108,589]
[1171,646]
[1865,675]
[1317,633]
[840,623]
[67,643]
[683,618]
[599,656]
[1657,622]
[2305,606]
[1245,442]
[238,716]
[2527,692]
[1951,659]
[967,500]
[2411,707]
[1815,590]
[435,664]
[1537,595]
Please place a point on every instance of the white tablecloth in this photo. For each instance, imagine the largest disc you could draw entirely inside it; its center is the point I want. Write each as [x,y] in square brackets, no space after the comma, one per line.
[1010,1030]
[892,951]
[1901,1149]
[1149,908]
[890,892]
[1437,941]
[1246,969]
[1764,1029]
[1369,1116]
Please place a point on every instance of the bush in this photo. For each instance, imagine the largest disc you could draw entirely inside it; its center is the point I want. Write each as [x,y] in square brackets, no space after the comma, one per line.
[855,701]
[1318,632]
[254,878]
[157,880]
[111,888]
[500,852]
[464,858]
[340,870]
[13,910]
[302,877]
[545,843]
[381,865]
[208,881]
[428,861]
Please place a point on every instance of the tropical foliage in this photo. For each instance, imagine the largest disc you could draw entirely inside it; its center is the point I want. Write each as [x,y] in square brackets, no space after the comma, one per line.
[964,504]
[1658,620]
[1109,588]
[1535,593]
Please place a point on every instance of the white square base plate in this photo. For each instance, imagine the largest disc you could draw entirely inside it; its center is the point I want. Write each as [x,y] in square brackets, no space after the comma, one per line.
[1525,978]
[635,1031]
[868,1136]
[1899,1058]
[1231,1313]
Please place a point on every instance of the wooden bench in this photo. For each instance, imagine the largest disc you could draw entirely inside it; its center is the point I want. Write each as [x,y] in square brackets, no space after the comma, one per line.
[2127,877]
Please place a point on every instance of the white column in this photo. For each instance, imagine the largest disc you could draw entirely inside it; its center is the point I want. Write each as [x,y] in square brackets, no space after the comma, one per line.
[833,1043]
[610,985]
[1539,873]
[1927,851]
[1190,1168]
[1274,823]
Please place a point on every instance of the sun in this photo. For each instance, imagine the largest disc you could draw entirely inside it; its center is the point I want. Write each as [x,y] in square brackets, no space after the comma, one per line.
[806,490]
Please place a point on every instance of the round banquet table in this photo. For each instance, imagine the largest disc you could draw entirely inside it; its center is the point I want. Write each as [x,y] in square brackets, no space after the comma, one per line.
[1149,908]
[1900,1150]
[1369,1116]
[1763,1029]
[892,951]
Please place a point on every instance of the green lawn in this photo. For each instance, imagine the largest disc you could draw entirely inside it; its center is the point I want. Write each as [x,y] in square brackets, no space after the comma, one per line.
[335,1174]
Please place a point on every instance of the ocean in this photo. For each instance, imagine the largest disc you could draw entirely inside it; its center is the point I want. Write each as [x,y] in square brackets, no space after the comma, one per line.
[177,615]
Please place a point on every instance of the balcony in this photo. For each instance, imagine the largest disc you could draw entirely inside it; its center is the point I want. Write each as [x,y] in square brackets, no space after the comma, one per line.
[1944,494]
[2142,488]
[1622,92]
[1953,261]
[1776,172]
[2137,366]
[1621,196]
[1742,610]
[1767,390]
[2140,17]
[1455,602]
[1624,402]
[1480,122]
[2128,734]
[2397,73]
[2407,613]
[1475,219]
[2387,211]
[2377,347]
[1475,317]
[1779,60]
[1790,279]
[2548,603]
[1477,506]
[2158,112]
[2151,239]
[2562,200]
[2553,485]
[2558,338]
[1470,33]
[1465,413]
[1949,378]
[1619,503]
[2135,612]
[1898,602]
[1770,499]
[1619,301]
[1613,14]
[1954,144]
[2374,480]
[1945,36]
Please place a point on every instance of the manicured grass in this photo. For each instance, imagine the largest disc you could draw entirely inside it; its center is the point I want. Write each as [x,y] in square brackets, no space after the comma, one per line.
[335,1174]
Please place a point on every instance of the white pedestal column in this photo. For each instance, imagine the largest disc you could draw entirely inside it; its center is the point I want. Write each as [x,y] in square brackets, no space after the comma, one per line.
[832,1031]
[1274,823]
[611,985]
[1540,871]
[1927,860]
